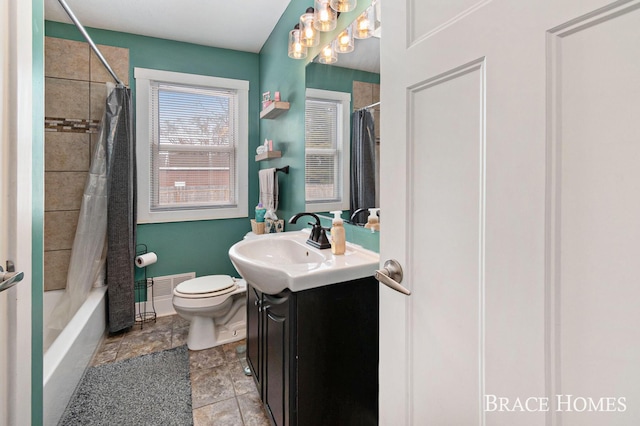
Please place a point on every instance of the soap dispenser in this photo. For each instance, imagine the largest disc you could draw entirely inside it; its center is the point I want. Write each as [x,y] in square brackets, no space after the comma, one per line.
[260,212]
[372,222]
[338,238]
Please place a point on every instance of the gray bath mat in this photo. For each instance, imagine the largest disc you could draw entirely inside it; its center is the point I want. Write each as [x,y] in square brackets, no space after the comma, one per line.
[151,389]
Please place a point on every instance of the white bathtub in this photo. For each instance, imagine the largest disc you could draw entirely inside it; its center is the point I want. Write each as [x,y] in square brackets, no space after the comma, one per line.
[69,355]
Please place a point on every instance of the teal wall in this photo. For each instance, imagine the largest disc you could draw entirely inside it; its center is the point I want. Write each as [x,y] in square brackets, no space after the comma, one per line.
[278,72]
[332,77]
[37,219]
[199,246]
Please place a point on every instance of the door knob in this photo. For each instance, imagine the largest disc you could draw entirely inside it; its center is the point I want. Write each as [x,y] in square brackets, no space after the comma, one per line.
[391,276]
[9,278]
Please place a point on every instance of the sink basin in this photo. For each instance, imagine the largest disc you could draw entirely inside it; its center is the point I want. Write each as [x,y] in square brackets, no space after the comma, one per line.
[280,251]
[274,262]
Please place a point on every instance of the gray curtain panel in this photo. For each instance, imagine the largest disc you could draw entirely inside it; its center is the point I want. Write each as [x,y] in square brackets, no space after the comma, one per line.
[363,162]
[121,228]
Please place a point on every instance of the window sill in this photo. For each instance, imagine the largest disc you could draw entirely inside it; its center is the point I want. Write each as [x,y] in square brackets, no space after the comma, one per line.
[326,207]
[192,215]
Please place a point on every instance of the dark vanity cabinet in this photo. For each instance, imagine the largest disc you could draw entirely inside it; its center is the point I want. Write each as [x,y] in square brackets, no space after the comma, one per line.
[254,325]
[314,353]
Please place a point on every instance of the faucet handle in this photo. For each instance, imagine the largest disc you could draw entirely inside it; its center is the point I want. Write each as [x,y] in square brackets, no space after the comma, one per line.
[323,241]
[313,236]
[318,238]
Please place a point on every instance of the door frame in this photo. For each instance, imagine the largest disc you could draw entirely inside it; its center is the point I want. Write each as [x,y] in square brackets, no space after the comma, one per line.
[17,114]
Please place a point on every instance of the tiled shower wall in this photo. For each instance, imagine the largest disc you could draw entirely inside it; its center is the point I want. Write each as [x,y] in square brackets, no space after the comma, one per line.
[75,95]
[365,94]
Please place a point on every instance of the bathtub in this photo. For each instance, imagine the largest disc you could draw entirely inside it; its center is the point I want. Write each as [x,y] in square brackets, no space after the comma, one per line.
[67,357]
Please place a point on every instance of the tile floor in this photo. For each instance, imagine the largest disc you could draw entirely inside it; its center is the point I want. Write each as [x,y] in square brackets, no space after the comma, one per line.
[221,393]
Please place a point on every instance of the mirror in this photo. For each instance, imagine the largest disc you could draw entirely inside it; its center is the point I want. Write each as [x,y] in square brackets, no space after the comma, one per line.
[358,74]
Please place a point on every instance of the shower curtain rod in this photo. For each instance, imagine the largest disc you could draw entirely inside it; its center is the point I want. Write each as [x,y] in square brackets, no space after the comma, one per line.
[91,43]
[369,106]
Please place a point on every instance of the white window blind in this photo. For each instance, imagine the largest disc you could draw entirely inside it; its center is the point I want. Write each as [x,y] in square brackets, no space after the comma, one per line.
[194,135]
[323,179]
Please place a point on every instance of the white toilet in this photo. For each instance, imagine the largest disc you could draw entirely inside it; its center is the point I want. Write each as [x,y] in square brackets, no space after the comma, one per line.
[215,307]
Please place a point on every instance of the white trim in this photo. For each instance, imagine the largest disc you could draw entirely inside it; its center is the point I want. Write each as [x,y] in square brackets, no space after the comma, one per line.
[144,77]
[16,194]
[344,119]
[193,79]
[328,94]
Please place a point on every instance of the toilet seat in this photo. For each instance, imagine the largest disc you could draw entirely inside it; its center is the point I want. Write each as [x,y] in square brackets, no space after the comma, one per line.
[206,287]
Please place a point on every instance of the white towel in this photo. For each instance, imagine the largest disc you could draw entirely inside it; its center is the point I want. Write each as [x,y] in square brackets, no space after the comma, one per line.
[268,179]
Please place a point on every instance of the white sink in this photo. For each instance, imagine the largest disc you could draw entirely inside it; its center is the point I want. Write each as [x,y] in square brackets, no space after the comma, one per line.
[274,262]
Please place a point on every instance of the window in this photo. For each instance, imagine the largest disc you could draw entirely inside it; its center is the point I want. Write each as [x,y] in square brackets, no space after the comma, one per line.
[327,138]
[191,146]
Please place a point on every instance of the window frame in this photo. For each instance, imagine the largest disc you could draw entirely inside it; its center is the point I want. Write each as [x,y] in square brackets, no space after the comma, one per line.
[144,78]
[343,146]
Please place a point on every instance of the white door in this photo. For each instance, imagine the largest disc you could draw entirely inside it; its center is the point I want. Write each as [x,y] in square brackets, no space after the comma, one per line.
[15,210]
[511,197]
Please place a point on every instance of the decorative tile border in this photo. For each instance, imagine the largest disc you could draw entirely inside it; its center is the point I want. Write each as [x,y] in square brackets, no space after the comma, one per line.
[71,125]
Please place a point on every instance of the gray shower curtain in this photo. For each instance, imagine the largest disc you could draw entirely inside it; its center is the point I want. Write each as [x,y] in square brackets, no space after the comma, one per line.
[121,228]
[363,161]
[107,212]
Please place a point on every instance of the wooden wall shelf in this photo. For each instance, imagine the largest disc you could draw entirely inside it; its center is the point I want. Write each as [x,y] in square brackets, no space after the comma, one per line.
[274,110]
[269,154]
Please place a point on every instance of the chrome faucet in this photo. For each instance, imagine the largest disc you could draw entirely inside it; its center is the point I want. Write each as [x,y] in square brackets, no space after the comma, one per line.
[318,237]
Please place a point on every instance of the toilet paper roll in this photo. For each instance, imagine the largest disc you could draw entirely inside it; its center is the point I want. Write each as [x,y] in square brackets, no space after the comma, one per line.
[146,259]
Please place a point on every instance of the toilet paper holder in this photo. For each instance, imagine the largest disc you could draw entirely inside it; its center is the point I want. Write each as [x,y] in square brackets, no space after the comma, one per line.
[143,291]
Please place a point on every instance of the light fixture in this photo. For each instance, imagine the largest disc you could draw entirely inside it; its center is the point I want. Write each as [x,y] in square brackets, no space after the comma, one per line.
[325,18]
[309,34]
[344,42]
[343,5]
[365,24]
[375,4]
[297,50]
[328,54]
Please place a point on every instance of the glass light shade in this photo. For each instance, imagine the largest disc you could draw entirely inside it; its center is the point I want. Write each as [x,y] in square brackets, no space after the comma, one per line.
[343,5]
[365,24]
[325,18]
[328,54]
[297,50]
[308,33]
[345,42]
[375,4]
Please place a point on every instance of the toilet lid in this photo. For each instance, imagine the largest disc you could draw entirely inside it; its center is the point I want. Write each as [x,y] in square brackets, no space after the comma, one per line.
[205,285]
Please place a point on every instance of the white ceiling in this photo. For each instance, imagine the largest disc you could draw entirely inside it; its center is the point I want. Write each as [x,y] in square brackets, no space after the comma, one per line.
[365,56]
[232,24]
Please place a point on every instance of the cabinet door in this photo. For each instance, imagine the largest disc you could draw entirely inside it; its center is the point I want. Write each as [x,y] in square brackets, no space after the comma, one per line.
[254,326]
[277,357]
